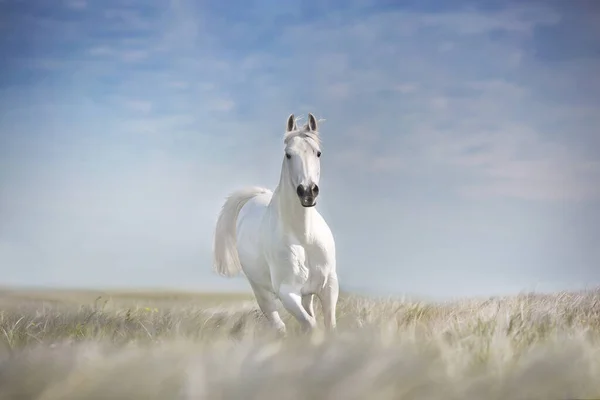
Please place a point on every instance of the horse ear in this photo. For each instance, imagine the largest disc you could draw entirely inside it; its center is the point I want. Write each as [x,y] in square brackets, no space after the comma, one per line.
[291,123]
[312,123]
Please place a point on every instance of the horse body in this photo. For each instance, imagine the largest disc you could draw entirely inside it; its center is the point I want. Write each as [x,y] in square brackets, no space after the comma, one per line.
[280,241]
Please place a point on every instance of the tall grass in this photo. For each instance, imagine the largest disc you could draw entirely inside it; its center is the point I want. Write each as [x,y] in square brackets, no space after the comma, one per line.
[530,346]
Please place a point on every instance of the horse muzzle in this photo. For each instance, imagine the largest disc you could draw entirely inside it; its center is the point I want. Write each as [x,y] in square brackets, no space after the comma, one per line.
[308,201]
[308,194]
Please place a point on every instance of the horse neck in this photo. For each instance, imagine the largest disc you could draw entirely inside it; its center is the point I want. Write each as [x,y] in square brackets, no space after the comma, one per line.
[292,215]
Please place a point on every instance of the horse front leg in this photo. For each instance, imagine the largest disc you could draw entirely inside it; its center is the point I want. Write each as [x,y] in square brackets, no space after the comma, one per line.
[291,298]
[328,296]
[307,303]
[266,303]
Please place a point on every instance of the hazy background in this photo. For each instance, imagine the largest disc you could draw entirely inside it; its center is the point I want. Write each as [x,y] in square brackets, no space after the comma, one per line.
[461,143]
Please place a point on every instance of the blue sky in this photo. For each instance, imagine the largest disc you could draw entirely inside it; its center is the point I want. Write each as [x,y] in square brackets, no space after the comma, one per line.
[461,145]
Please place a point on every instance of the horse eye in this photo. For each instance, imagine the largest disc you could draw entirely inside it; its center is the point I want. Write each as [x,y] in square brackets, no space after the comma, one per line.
[288,155]
[318,154]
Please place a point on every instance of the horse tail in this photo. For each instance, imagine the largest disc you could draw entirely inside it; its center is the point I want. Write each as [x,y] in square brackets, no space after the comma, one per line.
[226,261]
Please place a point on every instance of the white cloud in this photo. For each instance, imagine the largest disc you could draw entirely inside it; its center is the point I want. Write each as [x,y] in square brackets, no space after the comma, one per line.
[338,91]
[101,51]
[222,104]
[133,55]
[446,46]
[77,4]
[161,127]
[514,161]
[127,19]
[142,106]
[498,88]
[519,19]
[407,88]
[439,103]
[179,84]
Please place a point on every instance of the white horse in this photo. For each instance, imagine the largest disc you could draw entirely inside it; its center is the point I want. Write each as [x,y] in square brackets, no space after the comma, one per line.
[279,240]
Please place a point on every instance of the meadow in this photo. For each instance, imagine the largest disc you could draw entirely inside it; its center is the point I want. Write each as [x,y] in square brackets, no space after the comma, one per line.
[172,345]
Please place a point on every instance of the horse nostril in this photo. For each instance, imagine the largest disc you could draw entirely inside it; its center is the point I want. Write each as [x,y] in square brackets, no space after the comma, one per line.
[300,190]
[315,190]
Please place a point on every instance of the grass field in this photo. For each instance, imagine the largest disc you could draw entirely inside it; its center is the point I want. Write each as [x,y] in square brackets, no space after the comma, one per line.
[170,345]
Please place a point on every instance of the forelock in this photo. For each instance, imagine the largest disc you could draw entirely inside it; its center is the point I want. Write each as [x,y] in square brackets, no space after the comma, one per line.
[303,133]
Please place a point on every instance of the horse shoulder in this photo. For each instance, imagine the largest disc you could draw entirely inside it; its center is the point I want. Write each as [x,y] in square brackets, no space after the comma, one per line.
[323,237]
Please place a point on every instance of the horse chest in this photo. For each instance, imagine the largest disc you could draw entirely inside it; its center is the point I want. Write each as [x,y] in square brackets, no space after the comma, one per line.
[298,264]
[297,261]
